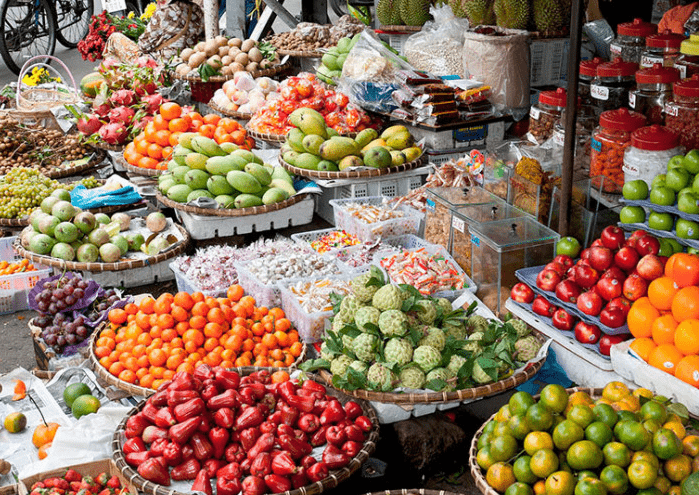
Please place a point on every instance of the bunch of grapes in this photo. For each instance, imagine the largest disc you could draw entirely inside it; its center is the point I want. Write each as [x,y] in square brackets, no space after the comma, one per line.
[102,304]
[61,330]
[59,295]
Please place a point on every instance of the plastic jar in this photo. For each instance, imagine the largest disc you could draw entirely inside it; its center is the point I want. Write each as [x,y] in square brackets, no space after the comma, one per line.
[584,126]
[588,71]
[688,61]
[631,39]
[682,113]
[651,148]
[608,143]
[653,90]
[662,48]
[544,115]
[609,89]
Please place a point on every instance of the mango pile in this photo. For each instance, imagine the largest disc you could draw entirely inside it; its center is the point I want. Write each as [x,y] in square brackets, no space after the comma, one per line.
[233,177]
[312,145]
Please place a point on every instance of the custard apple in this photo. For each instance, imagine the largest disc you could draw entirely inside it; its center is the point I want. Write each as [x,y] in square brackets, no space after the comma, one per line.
[473,343]
[413,322]
[480,376]
[522,328]
[366,314]
[455,363]
[456,331]
[427,357]
[393,322]
[364,347]
[325,352]
[434,337]
[348,308]
[338,323]
[398,351]
[476,323]
[426,311]
[347,342]
[380,378]
[388,297]
[412,377]
[527,347]
[360,366]
[339,365]
[440,374]
[359,287]
[444,305]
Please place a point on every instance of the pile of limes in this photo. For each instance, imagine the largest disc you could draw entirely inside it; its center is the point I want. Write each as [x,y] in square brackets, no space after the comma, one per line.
[574,445]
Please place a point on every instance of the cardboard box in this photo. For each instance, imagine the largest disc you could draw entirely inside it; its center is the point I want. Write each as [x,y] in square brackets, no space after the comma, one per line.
[87,469]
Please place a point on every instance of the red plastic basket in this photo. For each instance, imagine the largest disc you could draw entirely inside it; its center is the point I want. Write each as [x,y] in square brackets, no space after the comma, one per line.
[204,91]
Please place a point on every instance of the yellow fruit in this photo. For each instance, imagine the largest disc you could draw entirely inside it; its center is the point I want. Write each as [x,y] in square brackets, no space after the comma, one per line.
[677,427]
[615,391]
[500,475]
[85,404]
[15,422]
[643,392]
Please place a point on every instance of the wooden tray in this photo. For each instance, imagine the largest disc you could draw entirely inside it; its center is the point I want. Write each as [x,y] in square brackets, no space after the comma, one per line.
[272,71]
[228,113]
[229,212]
[350,174]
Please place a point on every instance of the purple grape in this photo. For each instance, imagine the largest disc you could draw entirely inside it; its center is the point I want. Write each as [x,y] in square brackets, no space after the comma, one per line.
[61,340]
[51,340]
[71,339]
[78,293]
[70,300]
[60,305]
[82,332]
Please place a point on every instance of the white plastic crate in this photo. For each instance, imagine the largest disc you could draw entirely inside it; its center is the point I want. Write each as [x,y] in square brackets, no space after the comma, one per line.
[440,157]
[472,135]
[409,223]
[185,285]
[15,288]
[306,238]
[549,61]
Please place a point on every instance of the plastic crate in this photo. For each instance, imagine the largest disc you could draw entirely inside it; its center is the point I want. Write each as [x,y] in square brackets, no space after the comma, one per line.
[309,325]
[15,288]
[185,285]
[409,223]
[549,59]
[472,135]
[440,157]
[306,238]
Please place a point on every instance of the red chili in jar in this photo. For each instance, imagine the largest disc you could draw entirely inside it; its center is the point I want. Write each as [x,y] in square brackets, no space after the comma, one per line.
[682,113]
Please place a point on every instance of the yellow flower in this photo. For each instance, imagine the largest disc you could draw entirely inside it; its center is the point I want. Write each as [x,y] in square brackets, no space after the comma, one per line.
[29,80]
[131,15]
[150,10]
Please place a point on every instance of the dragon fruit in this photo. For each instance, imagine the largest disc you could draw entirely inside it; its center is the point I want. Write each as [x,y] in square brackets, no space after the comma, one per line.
[108,64]
[123,97]
[142,122]
[113,133]
[146,61]
[123,115]
[153,102]
[100,106]
[142,87]
[89,124]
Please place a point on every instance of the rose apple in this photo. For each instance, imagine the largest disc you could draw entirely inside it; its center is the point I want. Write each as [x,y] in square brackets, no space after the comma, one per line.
[565,260]
[586,276]
[590,303]
[522,293]
[626,258]
[587,333]
[613,237]
[563,320]
[614,272]
[612,317]
[650,267]
[647,245]
[547,280]
[568,291]
[607,341]
[621,303]
[541,306]
[635,287]
[608,288]
[601,258]
[556,267]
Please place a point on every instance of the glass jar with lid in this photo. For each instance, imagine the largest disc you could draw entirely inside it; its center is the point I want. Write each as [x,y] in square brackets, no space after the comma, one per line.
[609,89]
[631,39]
[653,89]
[584,125]
[682,113]
[588,71]
[546,113]
[650,150]
[662,48]
[608,143]
[688,61]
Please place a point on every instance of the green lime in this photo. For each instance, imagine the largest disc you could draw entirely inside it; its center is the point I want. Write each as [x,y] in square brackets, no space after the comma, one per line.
[654,410]
[544,462]
[615,479]
[566,434]
[617,454]
[555,397]
[584,454]
[502,429]
[73,391]
[484,440]
[581,414]
[523,472]
[628,416]
[537,440]
[503,448]
[666,445]
[490,426]
[590,486]
[539,417]
[586,473]
[85,404]
[599,433]
[606,414]
[518,426]
[632,434]
[519,488]
[690,485]
[520,402]
[560,483]
[484,459]
[642,474]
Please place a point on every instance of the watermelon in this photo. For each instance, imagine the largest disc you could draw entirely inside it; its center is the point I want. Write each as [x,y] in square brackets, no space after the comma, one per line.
[91,83]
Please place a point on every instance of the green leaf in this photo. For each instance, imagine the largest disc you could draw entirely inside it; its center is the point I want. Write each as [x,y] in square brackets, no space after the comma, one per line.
[436,384]
[206,71]
[414,335]
[314,365]
[490,334]
[372,328]
[356,379]
[336,300]
[340,382]
[471,308]
[334,342]
[489,367]
[350,330]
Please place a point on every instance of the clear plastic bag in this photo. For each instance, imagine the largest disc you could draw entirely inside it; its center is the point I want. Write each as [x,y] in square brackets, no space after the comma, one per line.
[437,48]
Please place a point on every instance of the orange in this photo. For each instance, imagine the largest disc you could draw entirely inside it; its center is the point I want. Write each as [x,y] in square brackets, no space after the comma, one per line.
[643,347]
[665,357]
[44,434]
[117,316]
[280,376]
[207,130]
[641,318]
[200,309]
[160,123]
[170,110]
[683,268]
[146,305]
[184,300]
[162,137]
[685,304]
[178,125]
[155,151]
[235,292]
[687,370]
[157,357]
[687,337]
[661,291]
[500,475]
[663,329]
[147,162]
[44,450]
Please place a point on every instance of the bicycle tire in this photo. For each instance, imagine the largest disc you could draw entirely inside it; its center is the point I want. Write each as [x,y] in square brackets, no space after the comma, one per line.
[133,6]
[339,7]
[74,22]
[19,39]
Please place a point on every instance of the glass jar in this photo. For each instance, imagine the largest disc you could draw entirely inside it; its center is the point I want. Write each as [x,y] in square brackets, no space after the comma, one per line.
[588,71]
[688,61]
[662,48]
[682,113]
[584,126]
[546,113]
[653,90]
[631,39]
[610,87]
[608,143]
[651,148]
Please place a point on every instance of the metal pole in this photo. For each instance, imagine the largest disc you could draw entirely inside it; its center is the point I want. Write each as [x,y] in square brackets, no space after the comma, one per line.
[211,19]
[571,116]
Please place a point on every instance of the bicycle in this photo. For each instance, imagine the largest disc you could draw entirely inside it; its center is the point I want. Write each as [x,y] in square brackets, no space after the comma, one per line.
[30,28]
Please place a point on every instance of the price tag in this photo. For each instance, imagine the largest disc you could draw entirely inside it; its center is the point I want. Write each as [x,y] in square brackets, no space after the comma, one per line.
[534,113]
[647,61]
[599,92]
[559,138]
[475,240]
[632,100]
[458,224]
[683,70]
[114,5]
[429,204]
[631,169]
[615,48]
[671,110]
[596,145]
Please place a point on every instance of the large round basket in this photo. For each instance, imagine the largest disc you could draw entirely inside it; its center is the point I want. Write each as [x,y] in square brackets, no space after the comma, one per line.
[58,173]
[350,174]
[272,71]
[14,222]
[108,147]
[273,139]
[301,53]
[147,172]
[229,212]
[139,391]
[335,477]
[518,378]
[174,250]
[401,29]
[229,113]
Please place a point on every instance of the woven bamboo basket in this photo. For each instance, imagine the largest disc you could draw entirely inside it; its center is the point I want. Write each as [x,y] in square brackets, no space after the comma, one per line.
[401,29]
[173,251]
[274,139]
[335,477]
[229,113]
[108,147]
[413,491]
[350,174]
[60,173]
[14,222]
[508,383]
[272,71]
[147,172]
[229,212]
[301,53]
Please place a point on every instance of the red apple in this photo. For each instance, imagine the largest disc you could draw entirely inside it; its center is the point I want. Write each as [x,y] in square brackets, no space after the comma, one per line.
[634,237]
[608,288]
[541,306]
[613,237]
[647,244]
[565,260]
[621,303]
[568,291]
[547,280]
[585,254]
[601,258]
[635,287]
[607,341]
[570,273]
[556,267]
[626,258]
[586,276]
[650,267]
[590,303]
[614,272]
[597,243]
[612,317]
[563,320]
[587,333]
[522,293]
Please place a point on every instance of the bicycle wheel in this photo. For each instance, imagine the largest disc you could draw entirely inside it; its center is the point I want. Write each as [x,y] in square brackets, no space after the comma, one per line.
[133,6]
[73,21]
[28,29]
[339,7]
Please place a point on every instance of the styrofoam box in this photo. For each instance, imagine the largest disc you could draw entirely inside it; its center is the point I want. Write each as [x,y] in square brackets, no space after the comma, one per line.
[209,227]
[471,135]
[392,185]
[409,223]
[15,288]
[549,61]
[185,285]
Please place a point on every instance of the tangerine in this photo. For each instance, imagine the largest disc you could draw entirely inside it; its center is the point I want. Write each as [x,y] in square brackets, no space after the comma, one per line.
[663,329]
[643,346]
[640,319]
[683,269]
[685,304]
[687,336]
[665,357]
[687,370]
[661,291]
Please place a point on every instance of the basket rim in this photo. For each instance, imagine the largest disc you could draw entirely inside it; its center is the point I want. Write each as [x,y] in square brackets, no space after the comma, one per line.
[178,248]
[263,136]
[98,157]
[146,172]
[272,71]
[332,480]
[228,212]
[301,53]
[351,174]
[108,147]
[229,113]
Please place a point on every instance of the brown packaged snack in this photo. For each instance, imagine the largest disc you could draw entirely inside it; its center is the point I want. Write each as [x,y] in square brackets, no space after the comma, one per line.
[412,77]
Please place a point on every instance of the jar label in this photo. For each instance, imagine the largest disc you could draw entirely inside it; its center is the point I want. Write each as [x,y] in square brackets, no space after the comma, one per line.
[632,100]
[429,205]
[647,61]
[596,145]
[671,110]
[475,240]
[458,224]
[599,92]
[559,138]
[630,169]
[683,70]
[534,113]
[615,48]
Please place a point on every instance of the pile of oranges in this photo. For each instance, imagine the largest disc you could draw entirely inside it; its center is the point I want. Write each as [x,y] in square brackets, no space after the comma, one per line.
[153,147]
[148,342]
[666,322]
